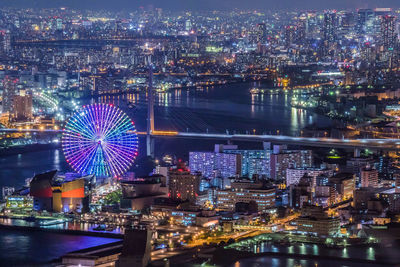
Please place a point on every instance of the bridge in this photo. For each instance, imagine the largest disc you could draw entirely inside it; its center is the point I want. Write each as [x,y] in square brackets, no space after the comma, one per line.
[375,144]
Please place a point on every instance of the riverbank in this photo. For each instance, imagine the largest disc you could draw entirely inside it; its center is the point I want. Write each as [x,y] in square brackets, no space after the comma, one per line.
[234,81]
[9,151]
[61,231]
[227,257]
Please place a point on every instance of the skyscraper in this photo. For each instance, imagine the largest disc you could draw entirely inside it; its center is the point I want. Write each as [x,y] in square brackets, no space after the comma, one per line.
[6,41]
[388,32]
[330,27]
[290,33]
[364,20]
[9,92]
[261,33]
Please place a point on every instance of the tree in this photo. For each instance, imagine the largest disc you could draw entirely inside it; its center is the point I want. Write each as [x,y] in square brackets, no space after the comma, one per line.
[113,197]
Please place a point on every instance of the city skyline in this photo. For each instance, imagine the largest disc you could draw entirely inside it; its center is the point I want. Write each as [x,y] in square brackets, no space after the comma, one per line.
[182,5]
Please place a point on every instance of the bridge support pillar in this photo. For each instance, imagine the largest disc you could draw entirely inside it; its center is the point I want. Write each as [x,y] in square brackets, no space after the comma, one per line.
[150,114]
[357,152]
[150,146]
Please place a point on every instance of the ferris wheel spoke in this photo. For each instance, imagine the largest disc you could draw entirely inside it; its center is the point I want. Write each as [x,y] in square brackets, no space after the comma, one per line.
[79,160]
[81,126]
[86,160]
[118,158]
[122,147]
[107,120]
[120,153]
[116,132]
[114,120]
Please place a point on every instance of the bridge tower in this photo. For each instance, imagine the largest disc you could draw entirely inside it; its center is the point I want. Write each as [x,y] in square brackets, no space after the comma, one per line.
[150,115]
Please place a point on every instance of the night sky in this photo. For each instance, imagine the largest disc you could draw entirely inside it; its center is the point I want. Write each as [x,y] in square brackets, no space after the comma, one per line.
[205,4]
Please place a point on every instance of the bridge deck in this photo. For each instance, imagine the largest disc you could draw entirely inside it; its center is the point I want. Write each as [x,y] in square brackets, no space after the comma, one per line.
[380,144]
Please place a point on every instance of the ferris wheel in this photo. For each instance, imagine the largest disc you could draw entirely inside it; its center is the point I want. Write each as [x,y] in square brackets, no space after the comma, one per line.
[100,139]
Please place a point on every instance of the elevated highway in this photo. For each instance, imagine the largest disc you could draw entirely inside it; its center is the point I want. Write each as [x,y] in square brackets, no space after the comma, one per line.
[377,144]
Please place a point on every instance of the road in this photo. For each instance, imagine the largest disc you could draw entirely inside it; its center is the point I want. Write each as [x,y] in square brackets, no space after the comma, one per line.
[379,144]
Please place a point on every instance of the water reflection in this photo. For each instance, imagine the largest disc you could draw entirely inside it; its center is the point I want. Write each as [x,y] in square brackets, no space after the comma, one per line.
[19,248]
[371,253]
[222,107]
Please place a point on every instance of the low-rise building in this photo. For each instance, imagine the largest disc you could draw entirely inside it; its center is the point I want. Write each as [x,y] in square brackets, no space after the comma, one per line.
[314,220]
[344,184]
[293,175]
[227,199]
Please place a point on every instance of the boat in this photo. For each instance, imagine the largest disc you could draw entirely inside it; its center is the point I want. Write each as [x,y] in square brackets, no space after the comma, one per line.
[100,228]
[254,91]
[30,219]
[284,243]
[110,228]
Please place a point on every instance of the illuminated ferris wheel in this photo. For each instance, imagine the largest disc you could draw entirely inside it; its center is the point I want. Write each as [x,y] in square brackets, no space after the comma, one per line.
[100,139]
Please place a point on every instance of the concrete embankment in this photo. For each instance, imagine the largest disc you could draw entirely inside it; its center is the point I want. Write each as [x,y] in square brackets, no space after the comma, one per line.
[221,255]
[61,231]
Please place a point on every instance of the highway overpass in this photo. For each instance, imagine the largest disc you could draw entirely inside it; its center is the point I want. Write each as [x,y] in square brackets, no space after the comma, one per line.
[377,144]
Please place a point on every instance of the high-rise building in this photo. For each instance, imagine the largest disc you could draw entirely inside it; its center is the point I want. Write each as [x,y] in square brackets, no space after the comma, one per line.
[364,20]
[261,33]
[253,161]
[330,27]
[6,40]
[290,35]
[369,177]
[9,92]
[59,24]
[22,106]
[215,164]
[347,22]
[182,184]
[293,175]
[286,159]
[388,32]
[188,25]
[203,162]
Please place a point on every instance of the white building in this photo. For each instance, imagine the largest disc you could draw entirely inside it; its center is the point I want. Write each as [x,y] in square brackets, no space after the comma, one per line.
[227,199]
[293,175]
